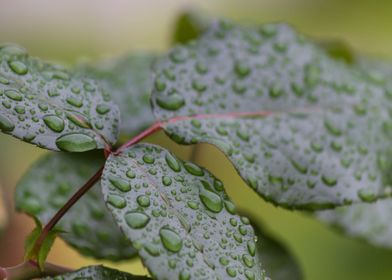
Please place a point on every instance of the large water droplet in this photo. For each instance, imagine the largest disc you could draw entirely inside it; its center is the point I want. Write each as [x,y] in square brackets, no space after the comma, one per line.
[120,184]
[173,163]
[193,169]
[14,95]
[136,220]
[5,124]
[366,195]
[18,67]
[171,102]
[211,201]
[76,142]
[143,200]
[170,240]
[54,123]
[116,201]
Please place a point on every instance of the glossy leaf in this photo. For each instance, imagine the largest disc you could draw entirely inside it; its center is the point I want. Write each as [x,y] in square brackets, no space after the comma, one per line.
[302,129]
[178,217]
[277,260]
[128,80]
[98,272]
[46,105]
[88,226]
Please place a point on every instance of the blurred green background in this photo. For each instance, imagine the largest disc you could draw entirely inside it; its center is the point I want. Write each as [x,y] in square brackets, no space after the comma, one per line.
[71,30]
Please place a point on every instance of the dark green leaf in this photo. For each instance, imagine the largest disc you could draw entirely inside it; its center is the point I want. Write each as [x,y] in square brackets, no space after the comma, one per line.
[88,226]
[98,272]
[128,80]
[277,260]
[302,129]
[178,217]
[46,105]
[189,25]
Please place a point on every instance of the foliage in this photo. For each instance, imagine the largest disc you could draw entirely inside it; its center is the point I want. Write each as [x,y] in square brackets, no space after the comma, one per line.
[306,124]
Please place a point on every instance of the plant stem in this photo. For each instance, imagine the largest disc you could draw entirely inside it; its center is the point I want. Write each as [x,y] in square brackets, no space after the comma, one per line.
[51,224]
[30,270]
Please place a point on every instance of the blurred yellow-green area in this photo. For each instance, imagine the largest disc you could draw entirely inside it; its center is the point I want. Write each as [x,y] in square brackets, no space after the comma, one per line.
[70,30]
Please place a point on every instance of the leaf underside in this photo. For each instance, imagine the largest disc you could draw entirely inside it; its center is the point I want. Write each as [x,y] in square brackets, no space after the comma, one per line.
[47,105]
[128,80]
[88,225]
[319,131]
[178,217]
[98,272]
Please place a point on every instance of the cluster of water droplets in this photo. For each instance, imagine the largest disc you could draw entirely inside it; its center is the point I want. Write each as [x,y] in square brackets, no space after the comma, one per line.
[323,139]
[178,216]
[88,226]
[46,105]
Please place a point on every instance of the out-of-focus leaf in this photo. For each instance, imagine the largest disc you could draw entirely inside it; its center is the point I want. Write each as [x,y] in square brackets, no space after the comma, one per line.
[98,272]
[128,80]
[189,25]
[178,217]
[87,226]
[277,260]
[302,129]
[49,106]
[3,212]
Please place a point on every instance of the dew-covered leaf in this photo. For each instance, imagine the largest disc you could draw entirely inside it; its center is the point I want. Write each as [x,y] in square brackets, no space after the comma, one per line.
[128,80]
[97,272]
[178,217]
[302,129]
[49,106]
[88,226]
[277,260]
[367,221]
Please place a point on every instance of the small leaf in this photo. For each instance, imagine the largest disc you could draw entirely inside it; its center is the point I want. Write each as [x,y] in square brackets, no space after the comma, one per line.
[88,226]
[98,272]
[178,217]
[45,248]
[49,106]
[302,129]
[277,260]
[30,241]
[129,81]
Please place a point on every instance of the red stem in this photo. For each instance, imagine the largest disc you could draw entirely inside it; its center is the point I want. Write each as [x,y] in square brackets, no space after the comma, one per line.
[50,225]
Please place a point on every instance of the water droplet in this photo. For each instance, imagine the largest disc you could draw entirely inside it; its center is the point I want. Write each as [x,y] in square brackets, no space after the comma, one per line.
[241,69]
[248,260]
[136,220]
[116,201]
[167,181]
[148,159]
[230,207]
[211,201]
[14,95]
[171,102]
[143,200]
[55,123]
[231,271]
[152,250]
[184,275]
[120,184]
[193,169]
[5,124]
[76,142]
[18,67]
[251,248]
[78,120]
[300,167]
[170,240]
[173,163]
[31,205]
[332,129]
[366,195]
[102,109]
[329,181]
[77,102]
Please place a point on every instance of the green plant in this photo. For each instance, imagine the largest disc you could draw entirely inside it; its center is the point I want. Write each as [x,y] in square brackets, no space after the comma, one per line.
[307,125]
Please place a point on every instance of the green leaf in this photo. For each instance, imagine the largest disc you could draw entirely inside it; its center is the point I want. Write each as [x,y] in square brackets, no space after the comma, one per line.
[302,129]
[30,241]
[45,248]
[97,272]
[49,106]
[87,226]
[367,221]
[189,25]
[178,217]
[277,260]
[128,80]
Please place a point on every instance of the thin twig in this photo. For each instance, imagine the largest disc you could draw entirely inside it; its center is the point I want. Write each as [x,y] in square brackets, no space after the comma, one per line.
[30,270]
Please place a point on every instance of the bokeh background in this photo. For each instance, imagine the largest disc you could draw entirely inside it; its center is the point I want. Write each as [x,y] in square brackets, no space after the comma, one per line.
[71,30]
